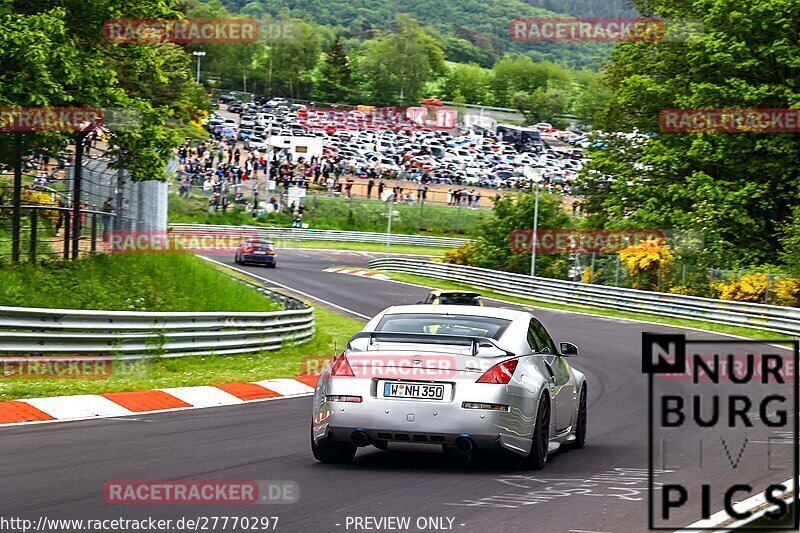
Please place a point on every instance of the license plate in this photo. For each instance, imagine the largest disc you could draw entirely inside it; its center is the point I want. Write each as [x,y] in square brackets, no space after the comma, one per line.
[260,253]
[413,390]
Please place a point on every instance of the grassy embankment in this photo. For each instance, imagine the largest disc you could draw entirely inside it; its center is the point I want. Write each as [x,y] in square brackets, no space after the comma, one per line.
[335,213]
[161,284]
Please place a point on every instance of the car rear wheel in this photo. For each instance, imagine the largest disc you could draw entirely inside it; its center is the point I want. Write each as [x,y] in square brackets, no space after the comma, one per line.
[541,437]
[580,425]
[332,452]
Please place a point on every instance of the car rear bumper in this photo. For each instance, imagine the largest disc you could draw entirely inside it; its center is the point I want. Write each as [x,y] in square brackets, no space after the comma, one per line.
[263,259]
[439,422]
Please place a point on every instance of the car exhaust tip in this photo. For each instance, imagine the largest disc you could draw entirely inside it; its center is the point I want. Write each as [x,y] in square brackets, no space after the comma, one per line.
[360,439]
[464,446]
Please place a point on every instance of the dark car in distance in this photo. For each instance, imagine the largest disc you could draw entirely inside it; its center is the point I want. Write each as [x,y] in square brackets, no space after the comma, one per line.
[256,252]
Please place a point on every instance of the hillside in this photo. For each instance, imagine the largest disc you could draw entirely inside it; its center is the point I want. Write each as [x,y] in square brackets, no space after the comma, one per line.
[483,23]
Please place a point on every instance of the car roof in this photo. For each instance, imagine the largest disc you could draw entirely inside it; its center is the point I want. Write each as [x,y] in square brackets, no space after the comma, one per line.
[493,312]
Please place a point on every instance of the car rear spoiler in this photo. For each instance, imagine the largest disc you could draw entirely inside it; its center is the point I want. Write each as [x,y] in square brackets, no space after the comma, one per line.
[428,338]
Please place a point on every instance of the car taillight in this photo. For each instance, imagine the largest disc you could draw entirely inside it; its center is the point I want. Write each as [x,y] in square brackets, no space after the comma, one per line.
[248,250]
[270,252]
[341,367]
[500,373]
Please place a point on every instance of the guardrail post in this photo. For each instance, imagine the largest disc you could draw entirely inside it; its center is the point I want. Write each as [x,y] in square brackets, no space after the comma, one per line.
[34,220]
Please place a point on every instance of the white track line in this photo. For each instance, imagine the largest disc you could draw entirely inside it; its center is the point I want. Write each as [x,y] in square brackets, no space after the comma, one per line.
[281,285]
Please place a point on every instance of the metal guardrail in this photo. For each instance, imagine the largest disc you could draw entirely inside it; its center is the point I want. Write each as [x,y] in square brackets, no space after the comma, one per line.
[299,234]
[766,317]
[135,335]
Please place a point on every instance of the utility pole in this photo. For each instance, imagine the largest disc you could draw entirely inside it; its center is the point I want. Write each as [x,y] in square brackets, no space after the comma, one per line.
[16,202]
[536,179]
[198,55]
[77,183]
[120,185]
[535,231]
[390,203]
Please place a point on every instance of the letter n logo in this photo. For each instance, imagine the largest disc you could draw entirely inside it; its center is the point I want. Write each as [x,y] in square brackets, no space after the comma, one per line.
[663,354]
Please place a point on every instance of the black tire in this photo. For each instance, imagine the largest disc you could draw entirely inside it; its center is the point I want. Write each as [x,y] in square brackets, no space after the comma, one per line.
[273,265]
[333,452]
[537,457]
[580,425]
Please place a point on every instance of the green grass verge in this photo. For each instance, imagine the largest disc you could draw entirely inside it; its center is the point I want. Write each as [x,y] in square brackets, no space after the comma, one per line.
[335,213]
[677,322]
[435,251]
[207,370]
[159,283]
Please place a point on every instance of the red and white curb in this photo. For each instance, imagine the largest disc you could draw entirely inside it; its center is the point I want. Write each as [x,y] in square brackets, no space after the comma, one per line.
[113,404]
[357,272]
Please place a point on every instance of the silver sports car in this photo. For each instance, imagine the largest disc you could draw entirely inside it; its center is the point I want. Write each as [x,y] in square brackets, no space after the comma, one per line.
[464,377]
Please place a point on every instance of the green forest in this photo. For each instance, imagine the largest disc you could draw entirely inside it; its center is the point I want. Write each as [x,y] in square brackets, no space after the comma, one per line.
[399,63]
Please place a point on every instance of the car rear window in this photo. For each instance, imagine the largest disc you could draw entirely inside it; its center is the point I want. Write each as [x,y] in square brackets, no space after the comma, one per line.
[440,324]
[259,245]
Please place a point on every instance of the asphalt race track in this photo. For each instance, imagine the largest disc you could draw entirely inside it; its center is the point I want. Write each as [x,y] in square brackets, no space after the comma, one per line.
[59,470]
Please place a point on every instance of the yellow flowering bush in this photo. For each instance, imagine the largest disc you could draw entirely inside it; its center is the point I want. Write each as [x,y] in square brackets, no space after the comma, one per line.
[786,292]
[644,260]
[42,198]
[587,277]
[460,255]
[745,288]
[680,289]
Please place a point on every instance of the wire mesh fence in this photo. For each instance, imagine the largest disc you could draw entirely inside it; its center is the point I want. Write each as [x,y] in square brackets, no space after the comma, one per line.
[684,278]
[141,206]
[48,221]
[319,210]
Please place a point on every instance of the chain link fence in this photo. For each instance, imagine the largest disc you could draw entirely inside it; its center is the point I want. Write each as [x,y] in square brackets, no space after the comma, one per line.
[140,206]
[47,218]
[685,278]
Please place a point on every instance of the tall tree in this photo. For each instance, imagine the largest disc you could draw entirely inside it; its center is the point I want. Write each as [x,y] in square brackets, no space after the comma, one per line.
[738,189]
[398,64]
[335,75]
[53,54]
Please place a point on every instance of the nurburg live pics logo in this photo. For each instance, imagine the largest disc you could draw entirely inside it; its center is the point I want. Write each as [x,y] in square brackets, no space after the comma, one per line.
[728,433]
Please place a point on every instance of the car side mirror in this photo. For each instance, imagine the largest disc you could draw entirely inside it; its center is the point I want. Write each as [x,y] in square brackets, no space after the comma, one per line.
[568,349]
